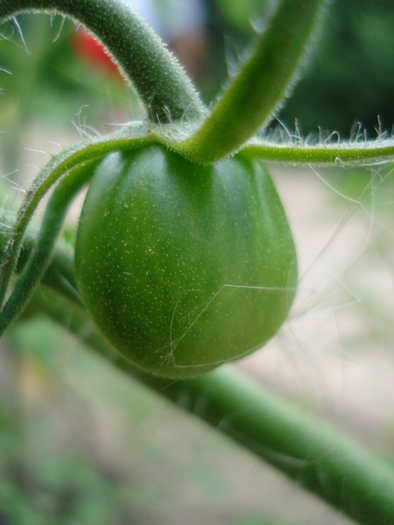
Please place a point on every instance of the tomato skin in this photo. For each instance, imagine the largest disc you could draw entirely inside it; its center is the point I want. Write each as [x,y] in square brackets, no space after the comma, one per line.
[182,266]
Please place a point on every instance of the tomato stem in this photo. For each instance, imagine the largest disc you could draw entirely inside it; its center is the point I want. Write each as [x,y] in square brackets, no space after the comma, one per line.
[345,153]
[164,88]
[41,256]
[264,81]
[60,275]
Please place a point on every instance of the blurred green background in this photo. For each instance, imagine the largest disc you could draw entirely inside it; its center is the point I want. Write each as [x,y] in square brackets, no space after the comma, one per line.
[82,444]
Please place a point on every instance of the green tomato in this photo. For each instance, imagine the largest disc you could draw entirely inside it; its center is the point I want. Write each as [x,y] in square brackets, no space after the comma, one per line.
[183,266]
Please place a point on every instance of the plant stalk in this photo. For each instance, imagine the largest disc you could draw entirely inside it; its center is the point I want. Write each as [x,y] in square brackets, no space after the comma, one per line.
[59,275]
[41,255]
[264,81]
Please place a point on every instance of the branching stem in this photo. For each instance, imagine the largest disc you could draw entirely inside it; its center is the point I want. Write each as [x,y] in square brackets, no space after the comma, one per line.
[261,85]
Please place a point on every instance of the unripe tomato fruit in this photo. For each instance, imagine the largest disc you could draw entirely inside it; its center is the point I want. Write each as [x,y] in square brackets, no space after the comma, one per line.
[182,266]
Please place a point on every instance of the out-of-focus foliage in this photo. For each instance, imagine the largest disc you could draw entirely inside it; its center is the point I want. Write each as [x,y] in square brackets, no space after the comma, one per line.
[45,70]
[240,14]
[42,81]
[351,78]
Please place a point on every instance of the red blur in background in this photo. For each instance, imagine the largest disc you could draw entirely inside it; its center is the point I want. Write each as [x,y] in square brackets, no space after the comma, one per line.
[88,49]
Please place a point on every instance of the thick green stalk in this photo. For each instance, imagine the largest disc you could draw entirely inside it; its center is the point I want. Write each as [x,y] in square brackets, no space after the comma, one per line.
[261,85]
[314,456]
[164,88]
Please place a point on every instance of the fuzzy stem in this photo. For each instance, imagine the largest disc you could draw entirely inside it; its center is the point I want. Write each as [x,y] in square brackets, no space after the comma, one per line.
[60,275]
[317,458]
[261,85]
[365,153]
[164,88]
[39,261]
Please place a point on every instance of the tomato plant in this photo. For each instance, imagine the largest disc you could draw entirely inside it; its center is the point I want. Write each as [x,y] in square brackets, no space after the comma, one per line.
[184,257]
